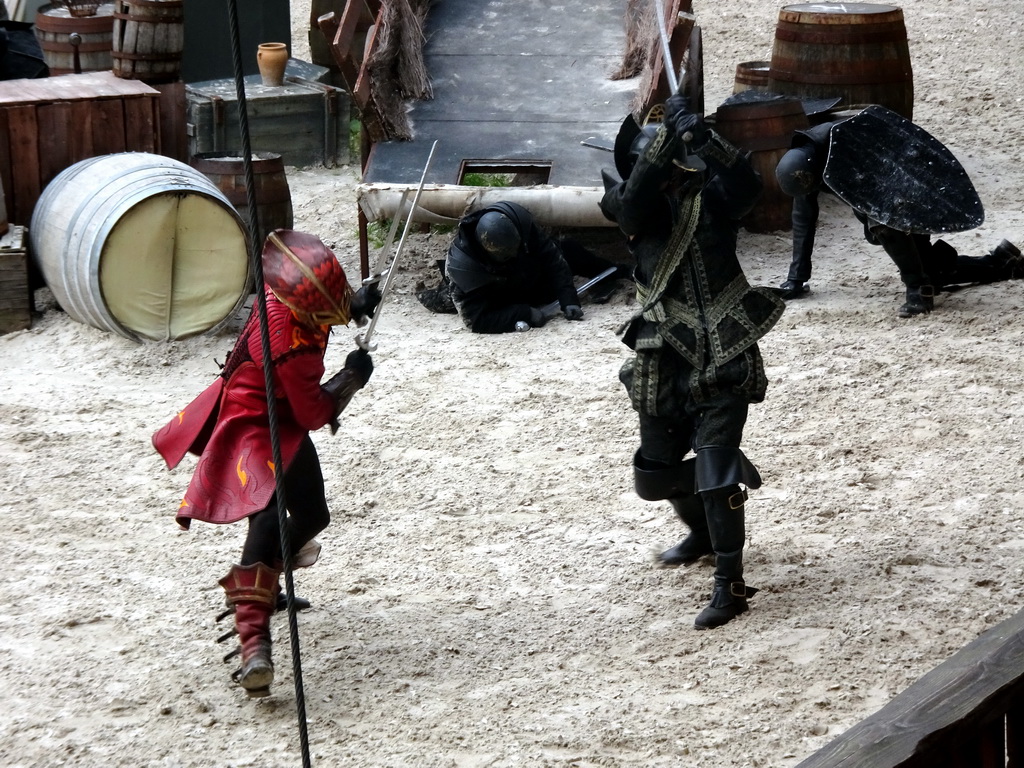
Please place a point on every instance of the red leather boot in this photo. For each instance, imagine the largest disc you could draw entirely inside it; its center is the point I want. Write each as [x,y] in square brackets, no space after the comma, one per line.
[252,590]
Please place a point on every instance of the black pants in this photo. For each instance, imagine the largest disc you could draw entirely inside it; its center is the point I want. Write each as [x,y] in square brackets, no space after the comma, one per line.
[952,268]
[909,252]
[307,511]
[922,262]
[666,440]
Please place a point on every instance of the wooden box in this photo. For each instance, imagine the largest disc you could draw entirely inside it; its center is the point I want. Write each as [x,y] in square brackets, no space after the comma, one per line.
[51,123]
[15,301]
[305,122]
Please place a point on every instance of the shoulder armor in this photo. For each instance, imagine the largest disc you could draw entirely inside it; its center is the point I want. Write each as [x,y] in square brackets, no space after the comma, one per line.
[467,273]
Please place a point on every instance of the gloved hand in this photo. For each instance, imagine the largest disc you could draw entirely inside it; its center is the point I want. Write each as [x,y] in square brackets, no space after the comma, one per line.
[680,121]
[573,312]
[360,363]
[346,382]
[365,302]
[537,318]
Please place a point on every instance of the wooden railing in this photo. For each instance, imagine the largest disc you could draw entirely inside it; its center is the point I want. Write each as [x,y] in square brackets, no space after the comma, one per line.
[352,39]
[966,713]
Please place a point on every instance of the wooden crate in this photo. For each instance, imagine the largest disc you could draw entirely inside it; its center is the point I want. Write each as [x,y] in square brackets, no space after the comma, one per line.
[305,122]
[51,123]
[173,135]
[15,301]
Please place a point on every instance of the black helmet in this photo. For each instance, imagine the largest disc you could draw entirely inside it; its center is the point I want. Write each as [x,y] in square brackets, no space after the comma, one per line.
[498,236]
[799,172]
[630,143]
[633,139]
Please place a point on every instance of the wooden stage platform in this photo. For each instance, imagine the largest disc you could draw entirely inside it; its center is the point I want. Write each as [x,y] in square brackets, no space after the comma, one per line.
[518,84]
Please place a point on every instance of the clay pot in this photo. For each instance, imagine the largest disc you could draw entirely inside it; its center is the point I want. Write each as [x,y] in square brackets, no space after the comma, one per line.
[272,59]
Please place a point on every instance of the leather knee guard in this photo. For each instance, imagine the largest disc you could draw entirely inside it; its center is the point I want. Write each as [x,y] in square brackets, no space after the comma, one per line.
[718,467]
[659,482]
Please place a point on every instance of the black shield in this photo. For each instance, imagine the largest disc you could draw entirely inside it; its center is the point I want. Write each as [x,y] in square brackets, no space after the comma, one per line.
[897,173]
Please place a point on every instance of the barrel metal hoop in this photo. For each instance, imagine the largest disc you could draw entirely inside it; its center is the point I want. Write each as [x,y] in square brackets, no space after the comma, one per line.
[174,20]
[63,47]
[153,3]
[169,57]
[885,33]
[831,78]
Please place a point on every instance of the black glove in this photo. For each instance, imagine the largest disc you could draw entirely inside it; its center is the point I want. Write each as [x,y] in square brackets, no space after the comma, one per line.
[680,121]
[537,318]
[346,382]
[360,363]
[365,302]
[573,312]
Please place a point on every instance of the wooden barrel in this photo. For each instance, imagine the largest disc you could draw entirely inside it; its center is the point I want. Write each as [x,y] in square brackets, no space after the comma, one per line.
[751,76]
[858,51]
[270,186]
[58,31]
[764,127]
[141,245]
[148,38]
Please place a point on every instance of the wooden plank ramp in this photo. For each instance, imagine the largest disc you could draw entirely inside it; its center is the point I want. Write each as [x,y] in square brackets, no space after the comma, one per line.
[967,712]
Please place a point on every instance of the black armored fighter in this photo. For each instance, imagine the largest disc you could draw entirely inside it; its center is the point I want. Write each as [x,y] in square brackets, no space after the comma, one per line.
[502,268]
[697,366]
[904,186]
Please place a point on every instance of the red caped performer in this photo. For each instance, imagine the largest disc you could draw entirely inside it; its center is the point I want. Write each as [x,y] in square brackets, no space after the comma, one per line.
[227,426]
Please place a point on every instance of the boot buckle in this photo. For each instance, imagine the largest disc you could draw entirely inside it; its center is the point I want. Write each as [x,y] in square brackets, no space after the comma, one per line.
[740,589]
[736,500]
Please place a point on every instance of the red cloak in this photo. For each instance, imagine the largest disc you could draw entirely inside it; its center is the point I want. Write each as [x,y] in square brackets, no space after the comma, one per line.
[227,425]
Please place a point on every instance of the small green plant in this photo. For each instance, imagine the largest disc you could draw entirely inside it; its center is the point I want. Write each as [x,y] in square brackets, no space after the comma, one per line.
[488,179]
[377,232]
[355,140]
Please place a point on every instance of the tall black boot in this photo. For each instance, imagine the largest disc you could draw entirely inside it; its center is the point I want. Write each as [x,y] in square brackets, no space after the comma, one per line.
[725,517]
[690,510]
[1009,261]
[805,217]
[920,301]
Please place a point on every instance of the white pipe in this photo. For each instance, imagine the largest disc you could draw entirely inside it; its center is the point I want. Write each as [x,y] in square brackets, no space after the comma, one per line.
[447,203]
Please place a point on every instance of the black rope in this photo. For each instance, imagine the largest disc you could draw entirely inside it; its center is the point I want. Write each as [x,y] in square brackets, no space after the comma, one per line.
[268,378]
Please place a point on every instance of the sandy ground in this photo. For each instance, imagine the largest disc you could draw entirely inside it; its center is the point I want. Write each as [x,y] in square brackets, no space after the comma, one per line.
[486,596]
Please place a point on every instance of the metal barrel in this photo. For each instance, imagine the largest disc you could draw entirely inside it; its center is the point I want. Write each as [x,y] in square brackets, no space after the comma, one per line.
[141,245]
